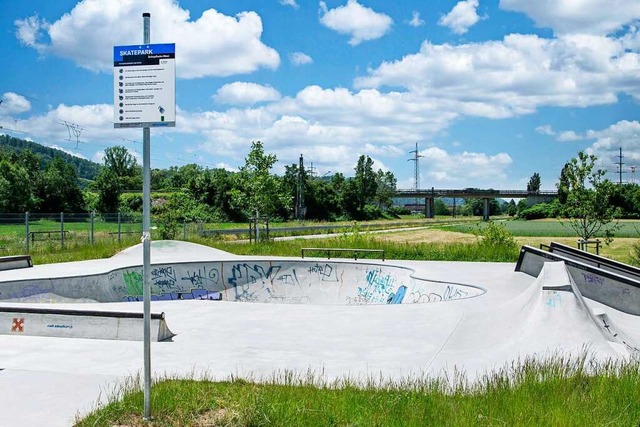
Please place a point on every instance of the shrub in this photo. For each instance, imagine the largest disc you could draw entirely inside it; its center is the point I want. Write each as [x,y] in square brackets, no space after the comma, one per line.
[497,235]
[541,210]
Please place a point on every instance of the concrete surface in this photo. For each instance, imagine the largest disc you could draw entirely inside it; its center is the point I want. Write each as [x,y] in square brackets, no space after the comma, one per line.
[389,319]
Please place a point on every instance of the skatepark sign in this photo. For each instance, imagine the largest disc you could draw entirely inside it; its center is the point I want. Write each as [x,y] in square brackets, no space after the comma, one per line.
[144,81]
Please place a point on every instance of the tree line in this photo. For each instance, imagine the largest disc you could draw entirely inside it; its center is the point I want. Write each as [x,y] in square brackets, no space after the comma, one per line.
[192,192]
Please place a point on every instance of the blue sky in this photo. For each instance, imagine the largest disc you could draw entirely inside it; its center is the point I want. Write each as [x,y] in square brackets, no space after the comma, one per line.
[490,90]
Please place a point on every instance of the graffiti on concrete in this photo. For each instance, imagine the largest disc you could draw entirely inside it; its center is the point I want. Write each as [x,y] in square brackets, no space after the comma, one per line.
[163,277]
[202,277]
[378,286]
[554,299]
[325,273]
[593,279]
[29,291]
[133,281]
[450,293]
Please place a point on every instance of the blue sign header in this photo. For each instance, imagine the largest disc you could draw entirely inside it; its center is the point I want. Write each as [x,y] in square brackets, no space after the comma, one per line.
[122,53]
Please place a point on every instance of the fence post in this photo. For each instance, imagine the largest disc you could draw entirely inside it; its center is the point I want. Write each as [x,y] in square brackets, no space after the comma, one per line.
[184,230]
[62,230]
[92,218]
[119,227]
[26,226]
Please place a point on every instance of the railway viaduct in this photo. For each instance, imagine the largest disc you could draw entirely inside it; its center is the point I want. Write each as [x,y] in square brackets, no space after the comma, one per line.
[431,194]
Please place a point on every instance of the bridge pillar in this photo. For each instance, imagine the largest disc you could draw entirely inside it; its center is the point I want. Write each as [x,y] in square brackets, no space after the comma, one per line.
[485,209]
[428,207]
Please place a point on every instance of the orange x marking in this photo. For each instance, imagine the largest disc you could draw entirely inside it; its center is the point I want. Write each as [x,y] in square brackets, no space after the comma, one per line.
[18,324]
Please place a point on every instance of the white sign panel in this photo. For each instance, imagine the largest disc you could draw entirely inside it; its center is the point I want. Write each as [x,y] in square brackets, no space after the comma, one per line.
[144,78]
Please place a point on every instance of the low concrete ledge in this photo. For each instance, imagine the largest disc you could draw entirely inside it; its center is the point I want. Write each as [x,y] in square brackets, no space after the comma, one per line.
[74,323]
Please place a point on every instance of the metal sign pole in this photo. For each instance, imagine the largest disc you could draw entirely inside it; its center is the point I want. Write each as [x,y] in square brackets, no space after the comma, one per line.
[146,245]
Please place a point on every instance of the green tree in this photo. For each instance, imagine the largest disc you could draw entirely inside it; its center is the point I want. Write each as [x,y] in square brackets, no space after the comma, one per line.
[533,186]
[512,209]
[563,185]
[15,188]
[108,186]
[440,207]
[57,188]
[385,189]
[361,189]
[120,172]
[256,191]
[588,204]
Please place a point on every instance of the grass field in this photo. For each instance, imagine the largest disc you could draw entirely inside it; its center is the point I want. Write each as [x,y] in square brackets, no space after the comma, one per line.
[548,228]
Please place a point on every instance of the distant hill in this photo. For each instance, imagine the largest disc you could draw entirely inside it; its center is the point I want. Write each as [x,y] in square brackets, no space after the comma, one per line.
[86,169]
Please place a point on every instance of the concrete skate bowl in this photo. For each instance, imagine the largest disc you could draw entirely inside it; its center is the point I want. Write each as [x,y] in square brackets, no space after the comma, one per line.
[120,279]
[264,281]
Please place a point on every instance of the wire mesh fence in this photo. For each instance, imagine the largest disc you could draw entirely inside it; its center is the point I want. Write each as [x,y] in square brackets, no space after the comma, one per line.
[58,230]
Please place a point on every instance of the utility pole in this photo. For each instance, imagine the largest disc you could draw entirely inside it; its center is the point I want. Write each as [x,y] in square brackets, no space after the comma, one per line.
[416,170]
[300,210]
[620,164]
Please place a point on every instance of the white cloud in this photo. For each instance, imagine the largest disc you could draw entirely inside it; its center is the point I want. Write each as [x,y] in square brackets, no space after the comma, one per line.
[516,75]
[546,130]
[569,135]
[460,169]
[624,134]
[361,23]
[28,31]
[87,34]
[291,3]
[463,16]
[93,122]
[300,58]
[416,21]
[12,103]
[564,136]
[244,93]
[571,16]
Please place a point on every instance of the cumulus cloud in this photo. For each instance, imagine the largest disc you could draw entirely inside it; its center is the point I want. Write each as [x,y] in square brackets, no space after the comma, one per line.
[300,58]
[87,34]
[564,136]
[516,75]
[569,135]
[569,16]
[463,16]
[96,122]
[361,23]
[291,3]
[624,134]
[244,93]
[546,130]
[12,103]
[459,169]
[416,21]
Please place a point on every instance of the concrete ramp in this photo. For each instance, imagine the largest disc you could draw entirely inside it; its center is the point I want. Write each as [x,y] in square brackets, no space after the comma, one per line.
[72,323]
[607,287]
[549,318]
